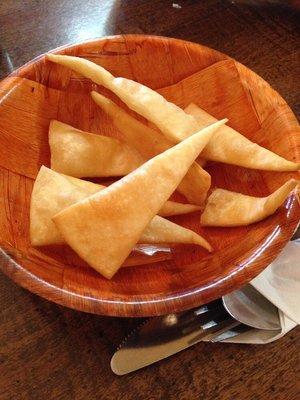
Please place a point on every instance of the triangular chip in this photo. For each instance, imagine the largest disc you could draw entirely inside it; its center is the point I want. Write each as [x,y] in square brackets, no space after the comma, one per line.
[173,208]
[229,146]
[167,116]
[225,208]
[104,228]
[160,230]
[177,124]
[149,143]
[173,122]
[80,154]
[53,192]
[132,130]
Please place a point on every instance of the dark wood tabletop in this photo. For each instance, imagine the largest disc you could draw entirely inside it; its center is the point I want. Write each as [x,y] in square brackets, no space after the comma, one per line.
[50,352]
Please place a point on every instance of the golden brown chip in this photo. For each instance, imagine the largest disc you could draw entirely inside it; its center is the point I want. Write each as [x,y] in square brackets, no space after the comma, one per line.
[160,230]
[229,146]
[173,122]
[105,227]
[225,208]
[149,143]
[52,192]
[82,154]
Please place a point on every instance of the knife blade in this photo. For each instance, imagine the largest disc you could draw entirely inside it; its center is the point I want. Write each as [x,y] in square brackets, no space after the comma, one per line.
[229,333]
[161,337]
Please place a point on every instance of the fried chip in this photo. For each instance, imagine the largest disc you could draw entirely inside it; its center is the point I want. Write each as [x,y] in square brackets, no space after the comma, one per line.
[173,122]
[229,146]
[82,154]
[171,208]
[149,142]
[52,192]
[160,230]
[176,124]
[228,209]
[104,227]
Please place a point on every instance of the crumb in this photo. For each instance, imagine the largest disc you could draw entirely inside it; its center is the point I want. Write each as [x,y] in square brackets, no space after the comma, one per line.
[175,5]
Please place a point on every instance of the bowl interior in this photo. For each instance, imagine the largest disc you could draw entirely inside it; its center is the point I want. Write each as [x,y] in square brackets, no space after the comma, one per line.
[183,276]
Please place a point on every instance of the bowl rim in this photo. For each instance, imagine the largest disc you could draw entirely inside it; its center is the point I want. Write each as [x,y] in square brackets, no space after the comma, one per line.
[157,305]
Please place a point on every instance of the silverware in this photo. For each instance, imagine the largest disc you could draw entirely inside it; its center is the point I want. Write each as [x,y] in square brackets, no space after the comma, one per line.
[229,333]
[161,337]
[251,308]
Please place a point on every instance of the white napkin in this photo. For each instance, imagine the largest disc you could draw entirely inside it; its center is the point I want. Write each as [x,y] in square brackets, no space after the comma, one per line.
[279,283]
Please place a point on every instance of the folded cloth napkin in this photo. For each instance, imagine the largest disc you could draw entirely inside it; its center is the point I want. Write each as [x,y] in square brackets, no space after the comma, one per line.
[280,284]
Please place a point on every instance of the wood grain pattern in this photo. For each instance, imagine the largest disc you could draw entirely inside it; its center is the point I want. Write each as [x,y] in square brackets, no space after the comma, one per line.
[41,91]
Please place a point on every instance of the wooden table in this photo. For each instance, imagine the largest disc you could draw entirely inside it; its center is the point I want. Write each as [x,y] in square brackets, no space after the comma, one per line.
[49,352]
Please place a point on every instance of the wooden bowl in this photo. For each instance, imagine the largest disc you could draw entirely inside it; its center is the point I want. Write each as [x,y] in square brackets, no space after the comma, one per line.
[167,282]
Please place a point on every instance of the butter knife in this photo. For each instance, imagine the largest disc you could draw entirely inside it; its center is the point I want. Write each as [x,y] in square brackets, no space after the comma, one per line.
[161,337]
